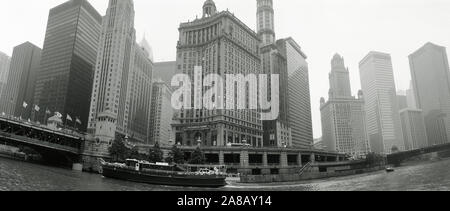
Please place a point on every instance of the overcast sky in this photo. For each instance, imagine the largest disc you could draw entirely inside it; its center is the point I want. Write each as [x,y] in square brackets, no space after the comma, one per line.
[351,28]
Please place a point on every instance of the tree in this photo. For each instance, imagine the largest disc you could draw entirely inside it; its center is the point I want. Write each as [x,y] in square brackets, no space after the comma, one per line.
[373,159]
[118,151]
[155,154]
[134,154]
[175,156]
[198,157]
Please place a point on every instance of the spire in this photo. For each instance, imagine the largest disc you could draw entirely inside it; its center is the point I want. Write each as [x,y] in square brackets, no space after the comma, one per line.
[337,63]
[146,47]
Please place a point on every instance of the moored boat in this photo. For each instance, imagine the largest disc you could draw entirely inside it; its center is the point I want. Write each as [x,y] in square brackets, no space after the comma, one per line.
[165,174]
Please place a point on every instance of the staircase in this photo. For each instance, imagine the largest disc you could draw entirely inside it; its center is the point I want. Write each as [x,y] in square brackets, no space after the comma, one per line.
[305,168]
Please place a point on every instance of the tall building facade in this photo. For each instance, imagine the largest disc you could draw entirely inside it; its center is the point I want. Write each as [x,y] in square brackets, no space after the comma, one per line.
[165,71]
[4,70]
[64,83]
[414,131]
[431,84]
[378,86]
[162,115]
[121,96]
[221,44]
[140,96]
[299,114]
[344,127]
[18,95]
[277,132]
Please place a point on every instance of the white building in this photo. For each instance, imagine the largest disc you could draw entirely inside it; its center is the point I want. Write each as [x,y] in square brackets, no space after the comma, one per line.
[378,86]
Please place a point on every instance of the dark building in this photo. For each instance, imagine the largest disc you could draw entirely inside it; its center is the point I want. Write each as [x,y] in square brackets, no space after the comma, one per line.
[17,98]
[65,80]
[165,71]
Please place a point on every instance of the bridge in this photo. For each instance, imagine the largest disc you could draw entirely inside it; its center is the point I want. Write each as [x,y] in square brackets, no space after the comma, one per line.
[399,157]
[59,147]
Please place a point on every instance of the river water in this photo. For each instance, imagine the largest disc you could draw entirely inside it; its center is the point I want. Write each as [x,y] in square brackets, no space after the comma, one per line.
[20,176]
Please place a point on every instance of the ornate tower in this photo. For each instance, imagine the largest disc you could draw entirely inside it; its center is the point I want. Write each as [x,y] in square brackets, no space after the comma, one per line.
[339,79]
[265,21]
[209,8]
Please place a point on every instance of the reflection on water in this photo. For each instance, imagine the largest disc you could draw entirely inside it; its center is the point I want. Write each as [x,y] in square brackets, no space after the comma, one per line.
[18,176]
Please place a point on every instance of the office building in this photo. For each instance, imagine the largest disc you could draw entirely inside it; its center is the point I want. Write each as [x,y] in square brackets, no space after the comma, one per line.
[431,84]
[413,126]
[299,114]
[344,127]
[18,94]
[64,83]
[221,44]
[4,70]
[121,97]
[383,119]
[162,115]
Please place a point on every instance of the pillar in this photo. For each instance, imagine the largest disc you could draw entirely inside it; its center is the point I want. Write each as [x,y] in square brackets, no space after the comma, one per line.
[284,159]
[244,159]
[299,160]
[265,162]
[313,158]
[221,158]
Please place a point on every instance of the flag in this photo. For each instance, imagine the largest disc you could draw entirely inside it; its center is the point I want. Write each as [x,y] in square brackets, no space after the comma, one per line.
[59,115]
[69,118]
[78,121]
[36,108]
[25,104]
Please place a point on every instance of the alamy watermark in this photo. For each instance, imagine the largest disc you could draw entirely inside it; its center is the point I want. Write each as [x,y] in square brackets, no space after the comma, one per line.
[235,92]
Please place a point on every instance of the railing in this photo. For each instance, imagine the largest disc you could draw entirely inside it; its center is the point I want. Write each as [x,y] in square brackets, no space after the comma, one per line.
[304,168]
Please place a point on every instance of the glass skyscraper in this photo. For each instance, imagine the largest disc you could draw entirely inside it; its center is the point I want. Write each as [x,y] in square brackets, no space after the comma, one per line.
[64,83]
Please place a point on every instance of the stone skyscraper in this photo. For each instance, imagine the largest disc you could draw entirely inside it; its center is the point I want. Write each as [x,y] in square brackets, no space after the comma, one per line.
[4,70]
[221,44]
[431,84]
[339,79]
[64,83]
[383,118]
[18,95]
[344,124]
[121,97]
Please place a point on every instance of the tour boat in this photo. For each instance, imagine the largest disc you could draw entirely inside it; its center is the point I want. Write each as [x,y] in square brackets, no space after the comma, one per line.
[390,169]
[165,174]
